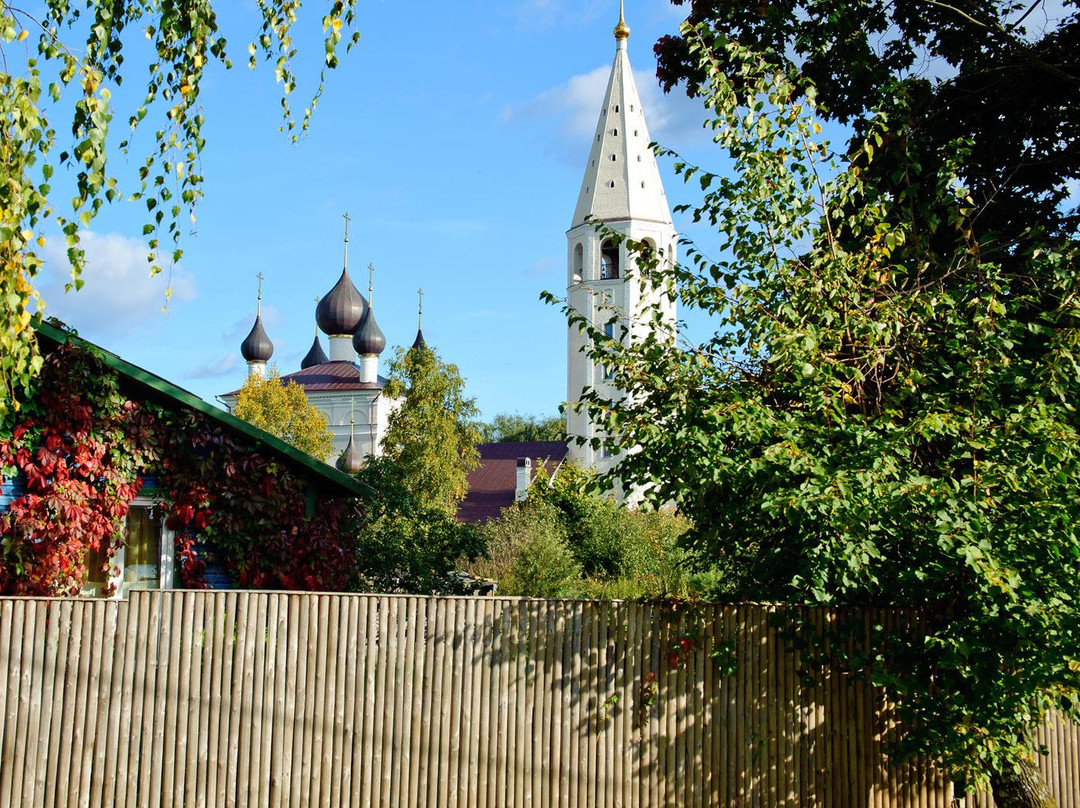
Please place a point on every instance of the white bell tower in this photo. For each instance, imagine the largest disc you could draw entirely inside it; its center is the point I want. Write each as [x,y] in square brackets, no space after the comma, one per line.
[623,192]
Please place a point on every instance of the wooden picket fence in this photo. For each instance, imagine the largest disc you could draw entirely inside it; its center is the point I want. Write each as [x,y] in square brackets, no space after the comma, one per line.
[284,699]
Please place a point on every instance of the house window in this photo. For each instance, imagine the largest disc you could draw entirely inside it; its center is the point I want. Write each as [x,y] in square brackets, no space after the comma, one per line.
[145,560]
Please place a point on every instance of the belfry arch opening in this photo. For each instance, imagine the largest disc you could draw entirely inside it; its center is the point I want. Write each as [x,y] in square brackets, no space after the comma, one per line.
[609,261]
[579,262]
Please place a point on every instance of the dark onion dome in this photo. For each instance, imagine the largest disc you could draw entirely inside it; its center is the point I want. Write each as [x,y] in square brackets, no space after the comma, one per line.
[419,341]
[368,339]
[341,311]
[257,347]
[315,356]
[350,461]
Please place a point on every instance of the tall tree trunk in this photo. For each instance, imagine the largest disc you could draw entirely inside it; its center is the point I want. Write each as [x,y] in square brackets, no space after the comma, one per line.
[1023,788]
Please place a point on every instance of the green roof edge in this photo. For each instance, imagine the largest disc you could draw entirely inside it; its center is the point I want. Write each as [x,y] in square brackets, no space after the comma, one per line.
[188,399]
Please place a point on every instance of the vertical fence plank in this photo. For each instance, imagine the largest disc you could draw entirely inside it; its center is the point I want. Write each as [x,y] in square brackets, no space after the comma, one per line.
[361,706]
[293,742]
[49,749]
[8,669]
[208,656]
[215,641]
[373,712]
[19,680]
[191,684]
[42,615]
[79,778]
[347,697]
[324,680]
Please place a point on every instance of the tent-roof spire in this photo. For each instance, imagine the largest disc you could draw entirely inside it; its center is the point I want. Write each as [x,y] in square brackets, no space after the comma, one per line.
[622,180]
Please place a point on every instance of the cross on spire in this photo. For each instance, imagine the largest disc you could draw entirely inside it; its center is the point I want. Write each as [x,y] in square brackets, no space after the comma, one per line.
[370,281]
[346,242]
[622,30]
[420,308]
[258,299]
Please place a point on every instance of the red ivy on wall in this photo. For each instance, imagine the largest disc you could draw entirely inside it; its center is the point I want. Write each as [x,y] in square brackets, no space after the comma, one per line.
[82,445]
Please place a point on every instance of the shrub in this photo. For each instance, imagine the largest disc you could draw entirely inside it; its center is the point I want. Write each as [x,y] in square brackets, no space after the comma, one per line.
[527,553]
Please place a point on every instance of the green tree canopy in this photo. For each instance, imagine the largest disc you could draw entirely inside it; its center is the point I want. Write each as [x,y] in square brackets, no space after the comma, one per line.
[885,413]
[432,436]
[62,57]
[1001,75]
[516,428]
[404,544]
[283,411]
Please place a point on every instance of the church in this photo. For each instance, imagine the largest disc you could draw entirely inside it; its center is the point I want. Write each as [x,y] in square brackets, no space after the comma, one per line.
[622,194]
[345,385]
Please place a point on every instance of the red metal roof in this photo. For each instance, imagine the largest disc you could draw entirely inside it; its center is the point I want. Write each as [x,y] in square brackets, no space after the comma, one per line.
[329,376]
[491,486]
[337,375]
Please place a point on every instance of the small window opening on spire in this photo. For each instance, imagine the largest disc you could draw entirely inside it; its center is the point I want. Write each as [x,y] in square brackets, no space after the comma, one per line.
[611,184]
[609,261]
[616,107]
[615,132]
[613,158]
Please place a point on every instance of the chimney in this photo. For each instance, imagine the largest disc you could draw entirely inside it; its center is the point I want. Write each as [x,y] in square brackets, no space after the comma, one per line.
[524,479]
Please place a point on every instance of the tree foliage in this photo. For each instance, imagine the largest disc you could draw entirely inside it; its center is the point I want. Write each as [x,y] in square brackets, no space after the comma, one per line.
[72,58]
[568,540]
[284,411]
[528,555]
[404,544]
[431,438]
[516,428]
[1001,75]
[885,413]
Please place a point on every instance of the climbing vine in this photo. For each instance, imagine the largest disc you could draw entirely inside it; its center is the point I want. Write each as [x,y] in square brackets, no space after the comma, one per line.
[83,449]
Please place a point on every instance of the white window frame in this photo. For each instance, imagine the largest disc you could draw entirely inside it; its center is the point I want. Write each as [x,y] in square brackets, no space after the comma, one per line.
[166,557]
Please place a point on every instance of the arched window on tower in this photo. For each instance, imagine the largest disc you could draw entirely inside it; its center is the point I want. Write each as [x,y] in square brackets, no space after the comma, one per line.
[579,262]
[609,261]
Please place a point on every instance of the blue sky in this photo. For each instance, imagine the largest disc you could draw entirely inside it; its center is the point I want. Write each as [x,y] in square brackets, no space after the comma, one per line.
[455,135]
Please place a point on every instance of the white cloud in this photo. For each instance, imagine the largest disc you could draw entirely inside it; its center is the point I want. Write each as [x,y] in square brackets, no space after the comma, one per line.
[226,366]
[567,114]
[271,317]
[118,295]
